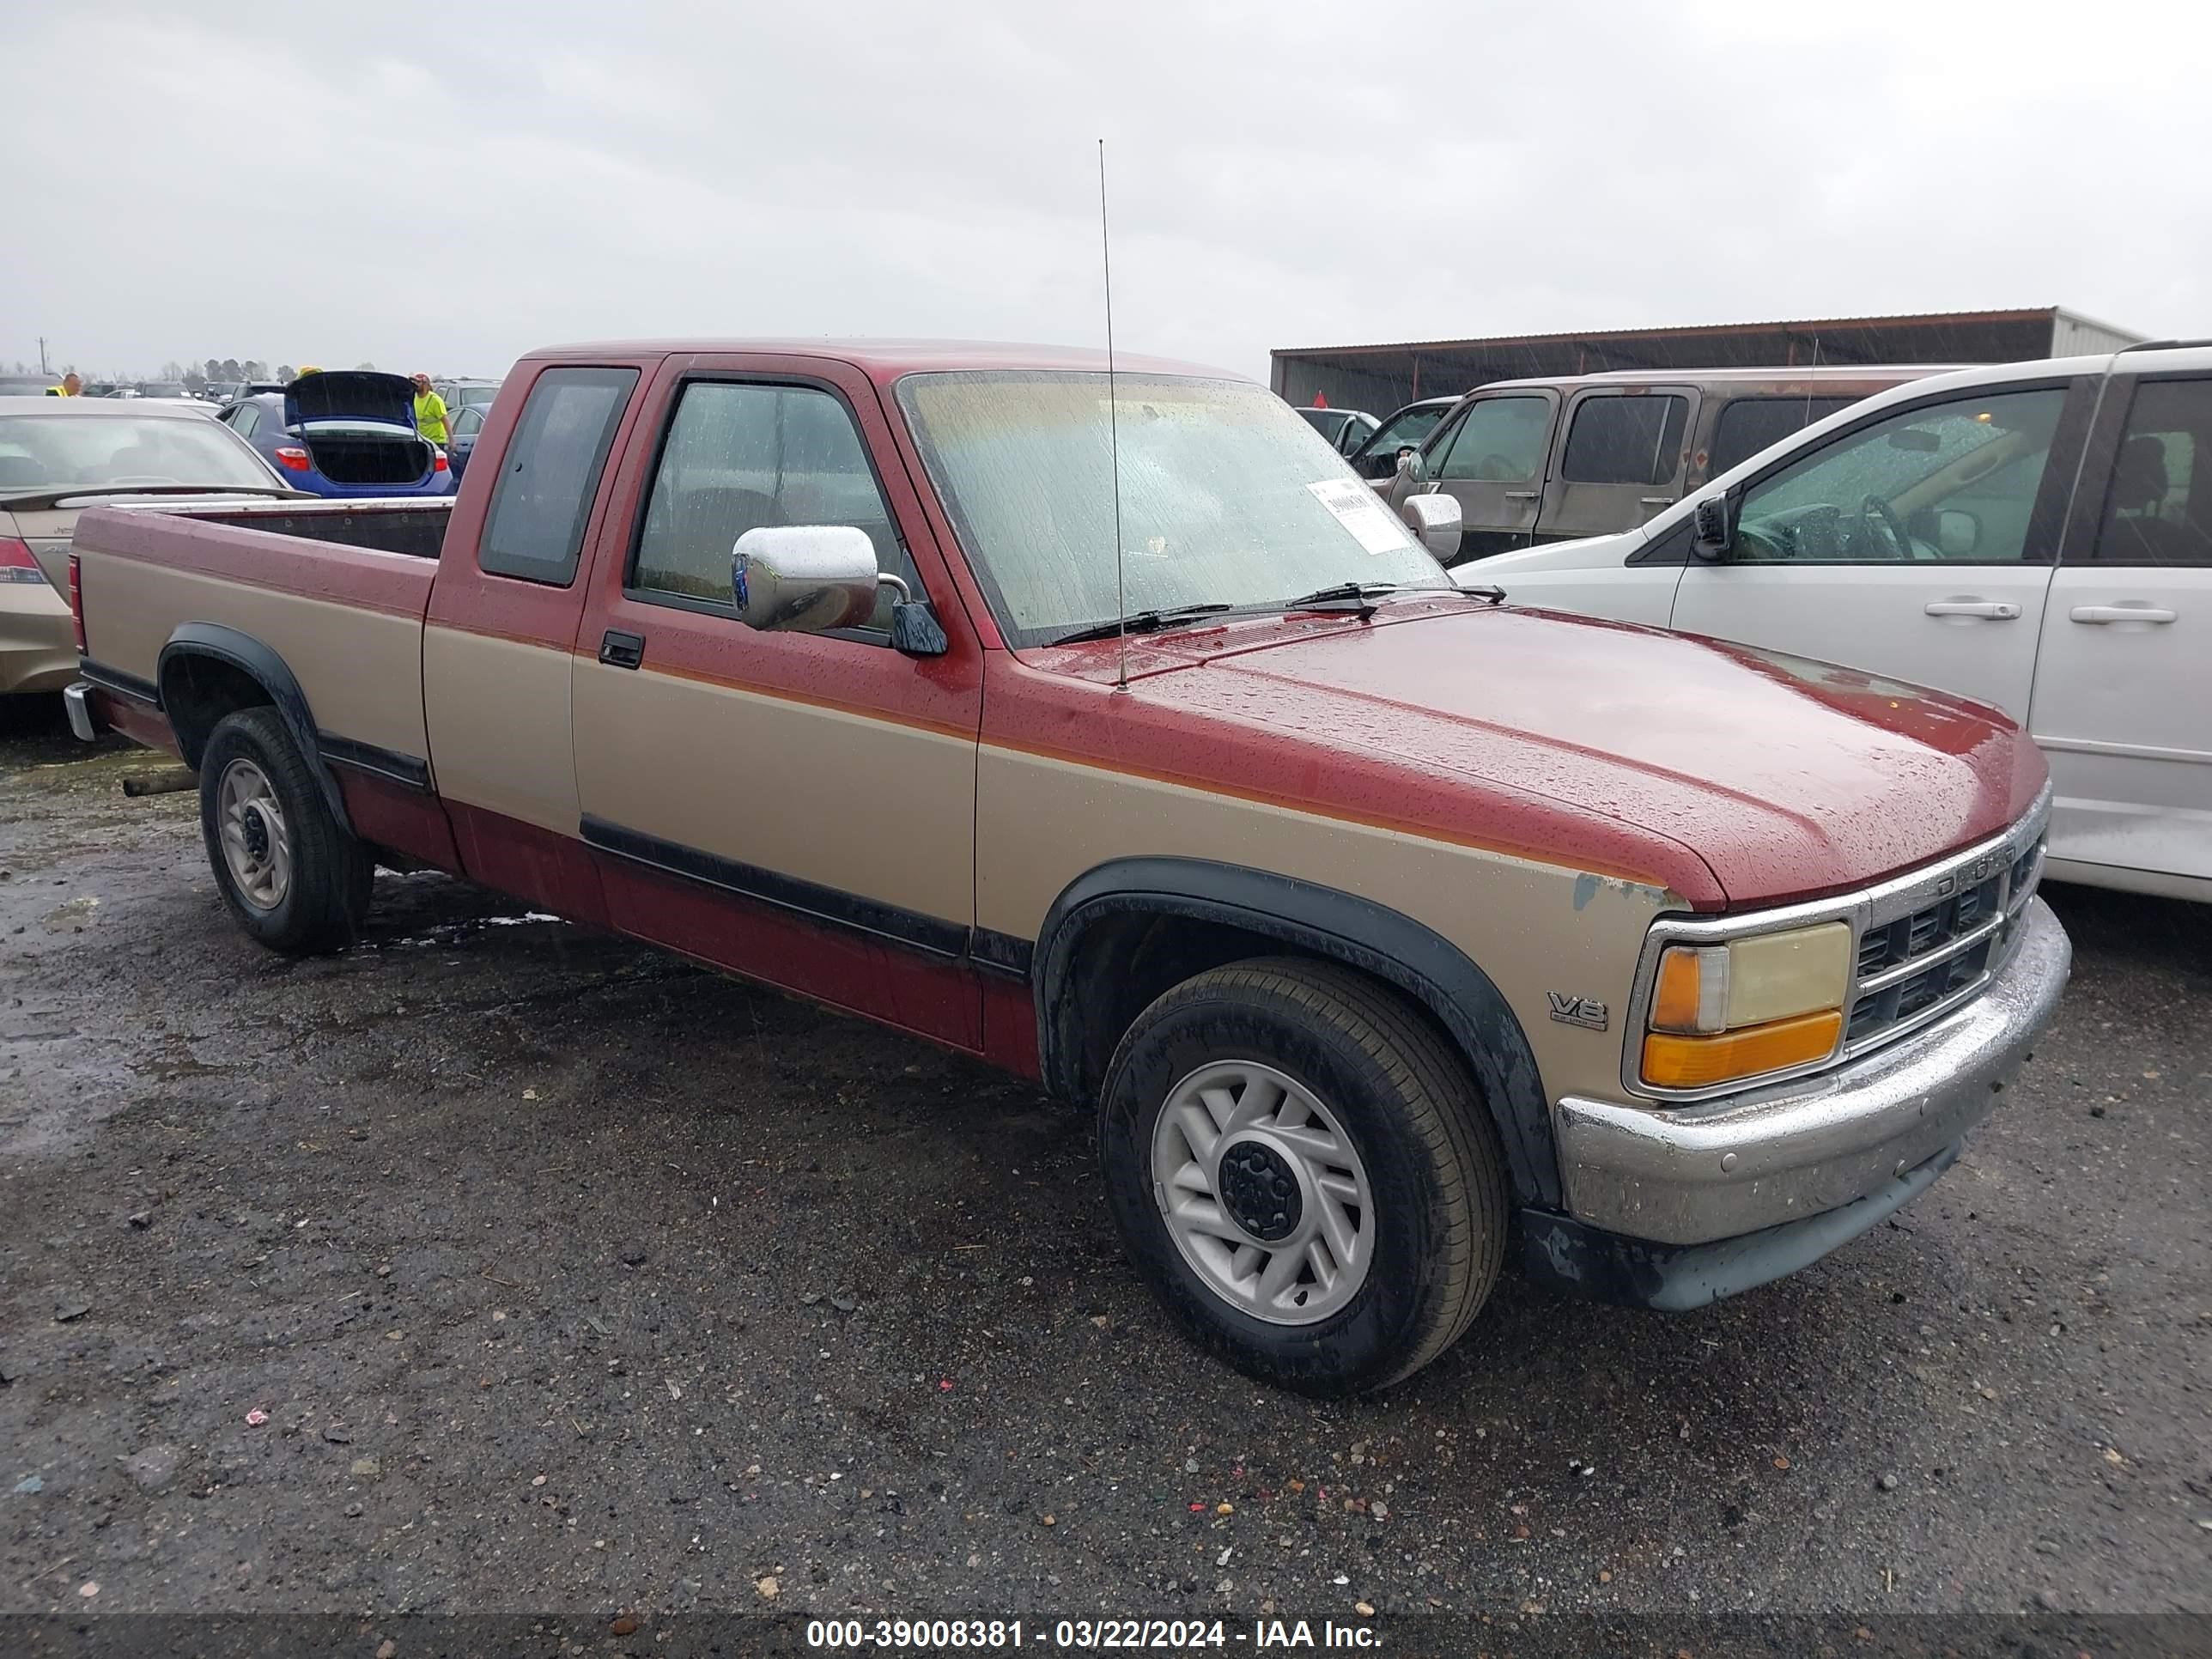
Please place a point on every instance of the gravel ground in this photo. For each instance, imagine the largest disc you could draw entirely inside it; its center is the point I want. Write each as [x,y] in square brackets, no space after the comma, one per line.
[492,1266]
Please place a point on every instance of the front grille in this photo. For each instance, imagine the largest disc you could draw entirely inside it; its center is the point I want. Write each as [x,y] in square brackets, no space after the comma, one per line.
[1928,948]
[1924,944]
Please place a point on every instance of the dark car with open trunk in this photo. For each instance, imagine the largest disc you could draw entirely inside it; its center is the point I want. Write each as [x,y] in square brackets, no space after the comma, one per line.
[342,432]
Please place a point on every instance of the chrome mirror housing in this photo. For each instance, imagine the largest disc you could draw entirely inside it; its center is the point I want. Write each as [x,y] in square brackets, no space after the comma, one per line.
[1435,522]
[805,579]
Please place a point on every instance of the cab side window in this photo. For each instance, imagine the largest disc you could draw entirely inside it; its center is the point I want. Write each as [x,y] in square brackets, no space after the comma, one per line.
[742,457]
[1499,441]
[1953,481]
[2157,510]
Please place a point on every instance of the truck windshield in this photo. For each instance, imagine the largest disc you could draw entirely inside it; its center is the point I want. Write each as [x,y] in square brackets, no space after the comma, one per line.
[1227,497]
[46,452]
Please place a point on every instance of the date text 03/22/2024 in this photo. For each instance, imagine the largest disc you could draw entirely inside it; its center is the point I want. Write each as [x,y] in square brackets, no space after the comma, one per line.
[927,1635]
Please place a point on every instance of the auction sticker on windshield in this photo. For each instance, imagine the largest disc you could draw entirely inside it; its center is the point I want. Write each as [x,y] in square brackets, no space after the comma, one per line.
[1359,510]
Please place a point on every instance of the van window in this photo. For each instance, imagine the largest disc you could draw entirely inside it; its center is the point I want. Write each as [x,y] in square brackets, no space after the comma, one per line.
[1747,425]
[550,475]
[1626,440]
[1500,441]
[2159,509]
[1955,480]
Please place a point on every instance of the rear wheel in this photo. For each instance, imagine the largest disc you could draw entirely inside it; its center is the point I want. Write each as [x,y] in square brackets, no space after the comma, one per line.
[291,874]
[1302,1169]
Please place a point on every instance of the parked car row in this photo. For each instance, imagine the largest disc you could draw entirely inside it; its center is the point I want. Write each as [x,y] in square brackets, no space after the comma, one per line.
[1551,459]
[2036,536]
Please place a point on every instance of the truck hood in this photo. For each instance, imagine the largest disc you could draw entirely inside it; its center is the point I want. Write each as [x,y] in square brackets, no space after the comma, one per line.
[1785,778]
[350,394]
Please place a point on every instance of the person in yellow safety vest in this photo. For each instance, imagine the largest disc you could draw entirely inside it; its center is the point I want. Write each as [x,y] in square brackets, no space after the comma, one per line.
[429,411]
[71,387]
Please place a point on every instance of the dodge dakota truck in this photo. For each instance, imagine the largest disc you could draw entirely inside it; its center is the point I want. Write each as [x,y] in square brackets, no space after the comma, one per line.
[1107,727]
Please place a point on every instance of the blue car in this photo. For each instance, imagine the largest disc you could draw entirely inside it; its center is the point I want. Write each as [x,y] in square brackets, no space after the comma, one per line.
[343,433]
[462,427]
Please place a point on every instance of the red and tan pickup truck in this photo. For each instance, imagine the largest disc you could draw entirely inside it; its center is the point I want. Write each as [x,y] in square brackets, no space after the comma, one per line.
[1388,927]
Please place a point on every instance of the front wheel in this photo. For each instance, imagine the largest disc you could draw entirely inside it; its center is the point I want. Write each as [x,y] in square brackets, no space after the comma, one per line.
[1302,1169]
[292,875]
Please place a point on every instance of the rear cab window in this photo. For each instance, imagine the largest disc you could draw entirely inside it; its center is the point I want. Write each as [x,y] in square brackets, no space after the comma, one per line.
[550,474]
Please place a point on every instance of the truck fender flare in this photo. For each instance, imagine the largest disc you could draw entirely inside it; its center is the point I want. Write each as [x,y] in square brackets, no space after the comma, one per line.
[1357,932]
[262,664]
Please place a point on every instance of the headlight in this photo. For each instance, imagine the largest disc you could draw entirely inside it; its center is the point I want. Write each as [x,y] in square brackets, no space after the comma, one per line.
[1721,1012]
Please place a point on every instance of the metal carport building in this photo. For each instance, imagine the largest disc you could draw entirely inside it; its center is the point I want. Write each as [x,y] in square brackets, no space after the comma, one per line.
[1381,378]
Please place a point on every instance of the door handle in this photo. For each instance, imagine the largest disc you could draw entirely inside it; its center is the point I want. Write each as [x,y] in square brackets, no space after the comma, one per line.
[621,650]
[1654,501]
[1989,610]
[1523,495]
[2121,613]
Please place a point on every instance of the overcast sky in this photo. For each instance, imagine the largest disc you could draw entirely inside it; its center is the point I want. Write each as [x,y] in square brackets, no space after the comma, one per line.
[444,187]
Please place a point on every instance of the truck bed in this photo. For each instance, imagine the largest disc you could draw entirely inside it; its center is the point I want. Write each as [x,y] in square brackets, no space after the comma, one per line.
[336,591]
[416,529]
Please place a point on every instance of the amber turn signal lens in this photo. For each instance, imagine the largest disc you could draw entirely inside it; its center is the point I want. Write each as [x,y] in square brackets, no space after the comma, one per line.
[1697,1063]
[1692,992]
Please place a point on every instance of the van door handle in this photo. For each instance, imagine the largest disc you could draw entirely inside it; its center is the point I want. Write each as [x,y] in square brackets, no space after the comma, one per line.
[2120,613]
[1654,501]
[621,650]
[1523,495]
[1989,610]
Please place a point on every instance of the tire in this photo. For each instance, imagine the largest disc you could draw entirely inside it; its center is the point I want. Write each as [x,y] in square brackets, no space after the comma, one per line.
[1435,1215]
[254,780]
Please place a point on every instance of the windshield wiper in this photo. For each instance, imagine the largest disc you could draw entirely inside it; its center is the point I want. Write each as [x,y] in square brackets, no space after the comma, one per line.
[1140,622]
[1354,597]
[1340,592]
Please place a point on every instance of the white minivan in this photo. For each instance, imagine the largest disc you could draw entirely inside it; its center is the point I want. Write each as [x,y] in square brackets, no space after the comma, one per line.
[2037,536]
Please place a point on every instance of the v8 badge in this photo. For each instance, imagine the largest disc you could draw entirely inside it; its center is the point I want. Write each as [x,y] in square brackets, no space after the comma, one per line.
[1577,1011]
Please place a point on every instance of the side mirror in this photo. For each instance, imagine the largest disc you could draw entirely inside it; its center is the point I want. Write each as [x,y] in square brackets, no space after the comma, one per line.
[1716,527]
[1435,522]
[1957,534]
[810,579]
[804,579]
[1406,474]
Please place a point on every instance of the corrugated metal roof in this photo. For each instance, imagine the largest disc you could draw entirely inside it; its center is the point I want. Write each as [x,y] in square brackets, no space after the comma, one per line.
[2032,314]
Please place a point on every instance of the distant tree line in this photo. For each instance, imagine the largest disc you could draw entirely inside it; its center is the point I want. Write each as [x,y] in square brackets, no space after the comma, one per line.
[195,376]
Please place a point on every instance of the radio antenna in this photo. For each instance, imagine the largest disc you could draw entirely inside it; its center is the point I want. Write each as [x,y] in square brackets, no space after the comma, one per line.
[1113,425]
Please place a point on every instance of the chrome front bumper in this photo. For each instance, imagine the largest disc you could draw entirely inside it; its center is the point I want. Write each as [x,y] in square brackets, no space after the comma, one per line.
[1726,1167]
[76,699]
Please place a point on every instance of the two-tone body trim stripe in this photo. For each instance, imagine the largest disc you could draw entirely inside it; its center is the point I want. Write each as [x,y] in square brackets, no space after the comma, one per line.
[930,934]
[123,684]
[1003,953]
[390,764]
